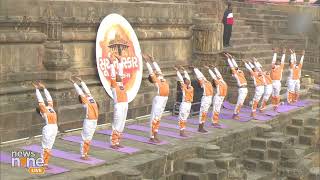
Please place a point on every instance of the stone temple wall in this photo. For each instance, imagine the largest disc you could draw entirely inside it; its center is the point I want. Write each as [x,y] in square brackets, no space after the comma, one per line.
[50,41]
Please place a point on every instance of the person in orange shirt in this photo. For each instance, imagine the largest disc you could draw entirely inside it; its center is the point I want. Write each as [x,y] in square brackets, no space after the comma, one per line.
[120,100]
[259,83]
[50,130]
[187,98]
[221,93]
[206,99]
[90,121]
[268,84]
[160,100]
[276,76]
[294,77]
[241,82]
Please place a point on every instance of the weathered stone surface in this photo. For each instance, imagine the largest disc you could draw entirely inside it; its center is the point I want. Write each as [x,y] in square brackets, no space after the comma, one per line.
[198,165]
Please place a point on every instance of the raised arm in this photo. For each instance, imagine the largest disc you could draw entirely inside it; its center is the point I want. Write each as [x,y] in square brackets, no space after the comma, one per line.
[274,58]
[216,70]
[47,94]
[248,67]
[186,75]
[283,57]
[302,58]
[179,76]
[257,64]
[199,74]
[212,74]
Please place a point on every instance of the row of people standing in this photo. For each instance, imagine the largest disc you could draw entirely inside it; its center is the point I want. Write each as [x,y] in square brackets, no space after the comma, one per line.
[266,83]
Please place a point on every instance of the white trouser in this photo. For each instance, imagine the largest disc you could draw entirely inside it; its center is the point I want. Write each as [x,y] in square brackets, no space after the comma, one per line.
[242,94]
[206,102]
[184,110]
[158,106]
[294,85]
[267,92]
[49,133]
[217,103]
[89,126]
[259,90]
[276,87]
[119,116]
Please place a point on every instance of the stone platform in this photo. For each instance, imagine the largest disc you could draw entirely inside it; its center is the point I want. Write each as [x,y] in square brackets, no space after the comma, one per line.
[243,150]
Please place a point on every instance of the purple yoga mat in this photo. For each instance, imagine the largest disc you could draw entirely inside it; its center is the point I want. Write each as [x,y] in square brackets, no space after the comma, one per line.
[101,144]
[133,137]
[270,112]
[228,105]
[229,117]
[176,126]
[52,169]
[196,122]
[285,108]
[65,155]
[162,132]
[303,103]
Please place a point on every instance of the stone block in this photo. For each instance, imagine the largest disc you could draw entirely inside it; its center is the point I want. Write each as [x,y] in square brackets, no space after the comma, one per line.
[198,165]
[256,153]
[274,154]
[310,130]
[250,164]
[297,122]
[278,143]
[193,176]
[293,130]
[226,162]
[307,140]
[268,165]
[217,174]
[259,143]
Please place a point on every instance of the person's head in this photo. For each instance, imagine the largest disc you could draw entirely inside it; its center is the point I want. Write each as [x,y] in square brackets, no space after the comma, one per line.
[229,6]
[213,83]
[118,78]
[186,81]
[38,110]
[80,99]
[277,62]
[150,79]
[254,69]
[157,73]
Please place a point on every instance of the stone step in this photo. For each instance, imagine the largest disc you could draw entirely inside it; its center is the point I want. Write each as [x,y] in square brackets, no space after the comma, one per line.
[260,11]
[263,16]
[250,164]
[198,165]
[241,28]
[307,140]
[194,176]
[256,154]
[274,154]
[311,130]
[293,130]
[259,143]
[252,47]
[297,121]
[226,162]
[248,40]
[313,121]
[244,34]
[250,54]
[217,174]
[278,142]
[268,165]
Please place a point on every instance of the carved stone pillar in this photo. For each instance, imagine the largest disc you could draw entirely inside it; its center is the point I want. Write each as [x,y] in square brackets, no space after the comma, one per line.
[207,38]
[55,57]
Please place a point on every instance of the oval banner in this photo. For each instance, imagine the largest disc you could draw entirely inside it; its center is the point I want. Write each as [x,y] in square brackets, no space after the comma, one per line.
[115,35]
